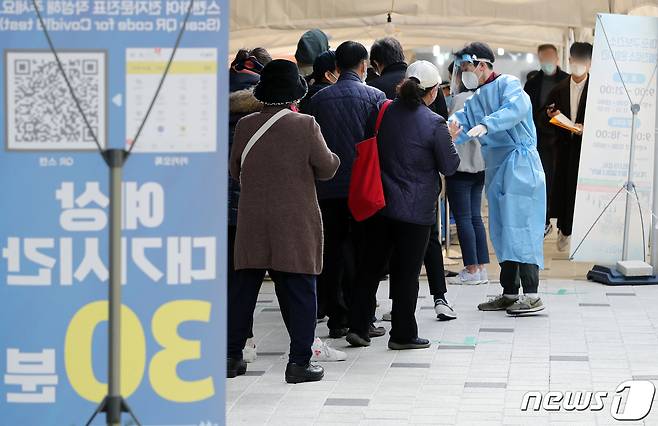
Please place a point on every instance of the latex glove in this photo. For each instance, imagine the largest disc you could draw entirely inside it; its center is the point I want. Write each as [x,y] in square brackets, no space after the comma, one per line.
[455,129]
[477,131]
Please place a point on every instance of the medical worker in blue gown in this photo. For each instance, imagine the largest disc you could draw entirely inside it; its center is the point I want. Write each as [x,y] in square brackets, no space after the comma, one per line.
[499,114]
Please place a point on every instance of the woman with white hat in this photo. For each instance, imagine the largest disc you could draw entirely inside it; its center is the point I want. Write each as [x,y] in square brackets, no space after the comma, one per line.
[414,147]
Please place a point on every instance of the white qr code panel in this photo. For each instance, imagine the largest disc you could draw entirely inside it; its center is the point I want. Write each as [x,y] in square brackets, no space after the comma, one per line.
[40,111]
[184,117]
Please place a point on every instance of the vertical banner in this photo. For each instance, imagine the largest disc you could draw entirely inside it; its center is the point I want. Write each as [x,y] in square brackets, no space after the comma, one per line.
[604,158]
[54,210]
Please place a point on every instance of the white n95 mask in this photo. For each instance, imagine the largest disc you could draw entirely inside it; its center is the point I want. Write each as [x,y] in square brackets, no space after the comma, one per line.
[470,80]
[579,70]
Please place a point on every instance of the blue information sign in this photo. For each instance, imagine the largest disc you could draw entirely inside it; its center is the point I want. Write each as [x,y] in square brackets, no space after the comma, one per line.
[54,216]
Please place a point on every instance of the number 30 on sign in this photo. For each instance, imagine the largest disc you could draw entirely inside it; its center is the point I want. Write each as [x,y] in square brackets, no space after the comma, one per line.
[162,369]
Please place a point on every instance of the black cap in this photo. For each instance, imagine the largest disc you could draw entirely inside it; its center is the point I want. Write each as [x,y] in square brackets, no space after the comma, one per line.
[323,63]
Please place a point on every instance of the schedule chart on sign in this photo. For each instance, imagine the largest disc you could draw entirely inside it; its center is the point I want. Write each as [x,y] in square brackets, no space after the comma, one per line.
[183,118]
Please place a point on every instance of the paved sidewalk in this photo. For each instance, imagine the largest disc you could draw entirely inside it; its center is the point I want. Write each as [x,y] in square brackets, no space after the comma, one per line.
[590,338]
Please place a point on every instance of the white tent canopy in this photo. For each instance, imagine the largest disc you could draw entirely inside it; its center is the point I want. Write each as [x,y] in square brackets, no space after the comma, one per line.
[512,24]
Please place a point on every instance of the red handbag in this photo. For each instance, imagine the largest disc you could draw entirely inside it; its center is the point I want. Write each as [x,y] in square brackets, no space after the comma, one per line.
[366,195]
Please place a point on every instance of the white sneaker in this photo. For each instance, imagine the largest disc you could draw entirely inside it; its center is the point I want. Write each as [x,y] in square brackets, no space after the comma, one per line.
[444,312]
[563,242]
[547,230]
[387,316]
[249,351]
[323,353]
[484,276]
[465,278]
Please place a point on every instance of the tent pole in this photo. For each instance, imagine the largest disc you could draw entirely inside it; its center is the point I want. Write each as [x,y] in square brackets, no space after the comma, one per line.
[565,49]
[569,38]
[654,207]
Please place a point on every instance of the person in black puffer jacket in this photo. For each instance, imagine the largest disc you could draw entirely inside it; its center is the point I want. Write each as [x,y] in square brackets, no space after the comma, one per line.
[342,111]
[243,76]
[324,75]
[241,103]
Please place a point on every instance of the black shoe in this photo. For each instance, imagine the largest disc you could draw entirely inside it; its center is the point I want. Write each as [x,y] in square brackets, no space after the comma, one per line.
[303,373]
[235,367]
[376,331]
[449,274]
[356,340]
[416,343]
[337,333]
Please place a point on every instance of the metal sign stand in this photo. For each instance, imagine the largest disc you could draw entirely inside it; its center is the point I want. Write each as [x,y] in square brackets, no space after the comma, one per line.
[612,275]
[628,272]
[114,404]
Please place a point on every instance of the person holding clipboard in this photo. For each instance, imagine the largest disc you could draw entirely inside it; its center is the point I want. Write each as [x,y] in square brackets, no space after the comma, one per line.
[565,114]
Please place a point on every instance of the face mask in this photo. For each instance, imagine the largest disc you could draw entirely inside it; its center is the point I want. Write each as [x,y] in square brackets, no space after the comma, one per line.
[548,68]
[470,80]
[578,70]
[365,76]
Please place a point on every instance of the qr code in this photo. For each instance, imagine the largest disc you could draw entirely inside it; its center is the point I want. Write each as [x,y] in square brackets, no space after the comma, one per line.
[41,113]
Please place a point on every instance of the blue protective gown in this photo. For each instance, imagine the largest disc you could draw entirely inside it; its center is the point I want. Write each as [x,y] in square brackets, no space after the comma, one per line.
[514,177]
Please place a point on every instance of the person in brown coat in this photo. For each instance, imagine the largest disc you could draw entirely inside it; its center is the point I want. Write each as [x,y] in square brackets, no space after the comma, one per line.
[279,228]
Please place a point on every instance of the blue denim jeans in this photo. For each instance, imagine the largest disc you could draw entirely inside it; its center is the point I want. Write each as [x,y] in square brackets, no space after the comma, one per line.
[465,197]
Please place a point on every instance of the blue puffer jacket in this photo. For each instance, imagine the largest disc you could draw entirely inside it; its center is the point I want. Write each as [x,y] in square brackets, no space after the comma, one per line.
[342,111]
[414,147]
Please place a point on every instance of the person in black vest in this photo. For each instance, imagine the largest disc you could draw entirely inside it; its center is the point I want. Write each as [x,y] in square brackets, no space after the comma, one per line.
[569,97]
[538,88]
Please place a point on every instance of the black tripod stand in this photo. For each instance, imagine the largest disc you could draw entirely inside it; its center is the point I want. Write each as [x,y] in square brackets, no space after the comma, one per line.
[625,273]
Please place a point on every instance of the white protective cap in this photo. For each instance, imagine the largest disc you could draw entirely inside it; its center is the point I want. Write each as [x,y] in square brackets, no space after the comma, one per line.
[425,72]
